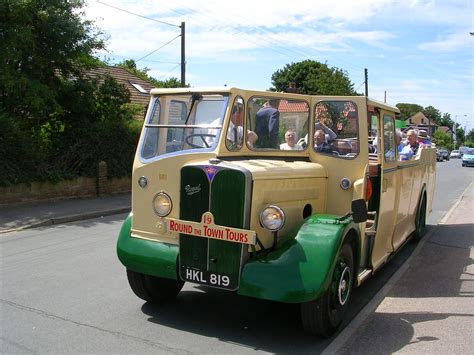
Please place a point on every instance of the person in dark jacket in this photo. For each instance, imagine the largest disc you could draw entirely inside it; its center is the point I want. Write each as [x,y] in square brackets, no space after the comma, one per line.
[267,125]
[320,144]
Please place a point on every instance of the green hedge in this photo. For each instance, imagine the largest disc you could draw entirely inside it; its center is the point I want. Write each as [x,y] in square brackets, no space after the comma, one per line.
[95,123]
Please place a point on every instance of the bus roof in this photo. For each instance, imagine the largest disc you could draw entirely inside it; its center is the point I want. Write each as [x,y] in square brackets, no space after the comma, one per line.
[227,89]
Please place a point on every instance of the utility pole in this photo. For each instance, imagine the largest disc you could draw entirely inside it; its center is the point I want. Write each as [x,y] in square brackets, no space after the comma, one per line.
[366,75]
[183,56]
[385,96]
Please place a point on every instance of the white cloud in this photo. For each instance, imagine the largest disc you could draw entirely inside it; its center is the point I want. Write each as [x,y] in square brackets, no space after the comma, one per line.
[448,43]
[349,34]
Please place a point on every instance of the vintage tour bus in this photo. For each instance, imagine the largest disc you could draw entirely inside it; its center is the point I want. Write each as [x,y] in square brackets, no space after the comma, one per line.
[278,196]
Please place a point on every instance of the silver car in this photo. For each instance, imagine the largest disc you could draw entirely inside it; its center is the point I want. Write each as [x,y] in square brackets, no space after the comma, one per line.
[456,154]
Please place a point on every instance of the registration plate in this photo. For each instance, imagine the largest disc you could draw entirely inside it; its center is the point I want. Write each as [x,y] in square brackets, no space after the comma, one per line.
[208,278]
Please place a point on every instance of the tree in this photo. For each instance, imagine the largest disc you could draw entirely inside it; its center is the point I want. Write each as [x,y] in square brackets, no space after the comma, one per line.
[446,120]
[408,110]
[54,122]
[433,114]
[42,42]
[313,78]
[470,138]
[442,139]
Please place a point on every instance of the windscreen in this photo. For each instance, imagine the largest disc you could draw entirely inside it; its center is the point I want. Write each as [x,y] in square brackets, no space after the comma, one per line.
[178,123]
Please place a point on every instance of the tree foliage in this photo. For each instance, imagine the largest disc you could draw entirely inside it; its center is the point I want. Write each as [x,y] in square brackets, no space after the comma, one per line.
[442,139]
[313,78]
[54,123]
[432,113]
[42,42]
[408,110]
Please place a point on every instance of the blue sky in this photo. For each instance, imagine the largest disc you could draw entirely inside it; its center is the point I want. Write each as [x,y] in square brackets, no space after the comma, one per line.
[417,51]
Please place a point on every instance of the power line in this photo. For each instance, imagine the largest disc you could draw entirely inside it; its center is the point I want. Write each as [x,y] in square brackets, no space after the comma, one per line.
[134,14]
[147,55]
[266,35]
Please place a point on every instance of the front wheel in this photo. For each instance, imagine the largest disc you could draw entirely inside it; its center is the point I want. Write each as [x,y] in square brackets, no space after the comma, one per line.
[152,288]
[323,316]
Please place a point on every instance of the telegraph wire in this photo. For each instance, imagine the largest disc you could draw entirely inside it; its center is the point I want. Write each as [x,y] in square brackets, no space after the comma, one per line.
[147,55]
[267,35]
[134,14]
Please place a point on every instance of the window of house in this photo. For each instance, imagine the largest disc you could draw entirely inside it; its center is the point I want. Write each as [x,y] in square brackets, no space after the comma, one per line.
[139,88]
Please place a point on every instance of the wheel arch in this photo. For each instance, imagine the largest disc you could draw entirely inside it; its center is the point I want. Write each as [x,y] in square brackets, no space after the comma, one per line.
[304,263]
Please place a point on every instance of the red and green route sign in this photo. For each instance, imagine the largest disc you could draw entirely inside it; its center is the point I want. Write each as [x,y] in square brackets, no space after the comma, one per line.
[208,229]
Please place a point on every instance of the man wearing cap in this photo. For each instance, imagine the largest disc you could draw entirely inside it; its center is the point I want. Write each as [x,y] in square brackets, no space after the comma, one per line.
[423,139]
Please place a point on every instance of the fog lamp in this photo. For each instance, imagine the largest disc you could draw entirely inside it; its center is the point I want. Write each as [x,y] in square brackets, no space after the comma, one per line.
[143,182]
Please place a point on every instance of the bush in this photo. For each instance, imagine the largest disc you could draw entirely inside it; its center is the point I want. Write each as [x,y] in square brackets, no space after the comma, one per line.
[19,155]
[95,123]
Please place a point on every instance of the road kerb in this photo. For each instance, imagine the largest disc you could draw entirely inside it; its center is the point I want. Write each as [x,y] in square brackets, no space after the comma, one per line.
[67,219]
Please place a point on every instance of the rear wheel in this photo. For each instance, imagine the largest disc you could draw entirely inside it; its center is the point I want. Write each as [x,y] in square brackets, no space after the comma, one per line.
[420,223]
[152,288]
[323,316]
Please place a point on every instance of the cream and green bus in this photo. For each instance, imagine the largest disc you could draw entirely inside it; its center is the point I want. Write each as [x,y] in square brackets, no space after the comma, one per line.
[277,196]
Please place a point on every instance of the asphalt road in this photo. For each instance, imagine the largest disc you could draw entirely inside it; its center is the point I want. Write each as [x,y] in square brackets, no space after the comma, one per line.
[63,290]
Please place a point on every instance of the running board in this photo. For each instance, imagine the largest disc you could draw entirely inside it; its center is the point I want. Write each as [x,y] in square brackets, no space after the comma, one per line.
[363,275]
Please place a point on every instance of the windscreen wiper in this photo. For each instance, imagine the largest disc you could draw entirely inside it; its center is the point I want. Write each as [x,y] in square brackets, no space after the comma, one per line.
[195,97]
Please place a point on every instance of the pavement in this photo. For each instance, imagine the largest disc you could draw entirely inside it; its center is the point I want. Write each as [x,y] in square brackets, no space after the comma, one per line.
[14,217]
[427,307]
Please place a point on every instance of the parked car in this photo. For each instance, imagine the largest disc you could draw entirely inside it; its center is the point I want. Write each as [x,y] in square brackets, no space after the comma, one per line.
[468,157]
[442,154]
[455,154]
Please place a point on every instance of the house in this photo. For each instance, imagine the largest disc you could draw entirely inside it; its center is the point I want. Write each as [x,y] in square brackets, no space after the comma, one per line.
[139,89]
[420,122]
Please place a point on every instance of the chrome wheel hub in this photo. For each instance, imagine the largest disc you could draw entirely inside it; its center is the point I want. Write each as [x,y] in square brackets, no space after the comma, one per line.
[344,287]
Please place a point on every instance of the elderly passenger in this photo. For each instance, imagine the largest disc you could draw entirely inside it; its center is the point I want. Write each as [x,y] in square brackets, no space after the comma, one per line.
[290,141]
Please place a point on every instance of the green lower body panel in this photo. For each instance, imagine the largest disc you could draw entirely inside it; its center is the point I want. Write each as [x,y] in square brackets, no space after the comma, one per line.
[145,256]
[299,270]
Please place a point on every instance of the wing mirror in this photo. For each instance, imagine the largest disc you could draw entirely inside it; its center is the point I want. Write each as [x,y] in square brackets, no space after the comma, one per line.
[359,211]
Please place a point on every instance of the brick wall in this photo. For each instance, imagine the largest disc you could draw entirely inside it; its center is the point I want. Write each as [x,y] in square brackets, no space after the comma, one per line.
[76,188]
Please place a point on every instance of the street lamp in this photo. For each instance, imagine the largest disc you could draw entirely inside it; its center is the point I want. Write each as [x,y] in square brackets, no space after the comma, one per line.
[454,130]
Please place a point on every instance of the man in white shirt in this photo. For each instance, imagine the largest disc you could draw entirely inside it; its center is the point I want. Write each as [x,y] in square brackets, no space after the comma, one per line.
[290,141]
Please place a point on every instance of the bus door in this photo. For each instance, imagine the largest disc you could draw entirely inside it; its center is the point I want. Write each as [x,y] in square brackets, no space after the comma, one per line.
[388,190]
[340,123]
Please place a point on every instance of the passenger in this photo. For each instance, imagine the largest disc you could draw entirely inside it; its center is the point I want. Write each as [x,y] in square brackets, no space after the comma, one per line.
[320,144]
[411,147]
[404,151]
[424,139]
[290,141]
[267,125]
[374,145]
[328,132]
[251,138]
[235,131]
[412,137]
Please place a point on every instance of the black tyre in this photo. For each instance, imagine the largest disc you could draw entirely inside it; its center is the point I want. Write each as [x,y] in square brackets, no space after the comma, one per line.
[420,222]
[323,316]
[152,288]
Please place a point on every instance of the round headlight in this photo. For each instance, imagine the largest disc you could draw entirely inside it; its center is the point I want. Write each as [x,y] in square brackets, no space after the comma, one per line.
[272,218]
[162,204]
